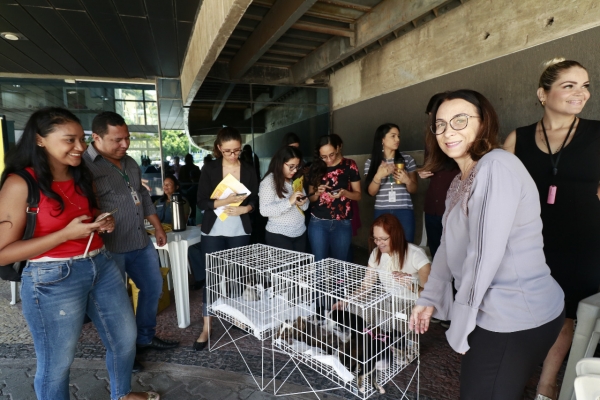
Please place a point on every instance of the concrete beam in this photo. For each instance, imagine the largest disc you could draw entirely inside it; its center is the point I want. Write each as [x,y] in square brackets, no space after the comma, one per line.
[276,22]
[214,23]
[385,18]
[263,75]
[476,32]
[222,97]
[263,100]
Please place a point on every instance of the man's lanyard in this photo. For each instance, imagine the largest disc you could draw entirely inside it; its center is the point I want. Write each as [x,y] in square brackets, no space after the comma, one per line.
[123,174]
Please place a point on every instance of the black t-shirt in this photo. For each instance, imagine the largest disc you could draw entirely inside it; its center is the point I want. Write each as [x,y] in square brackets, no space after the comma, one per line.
[337,177]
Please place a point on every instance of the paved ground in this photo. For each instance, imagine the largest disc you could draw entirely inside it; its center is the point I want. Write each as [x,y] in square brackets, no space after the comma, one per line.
[181,373]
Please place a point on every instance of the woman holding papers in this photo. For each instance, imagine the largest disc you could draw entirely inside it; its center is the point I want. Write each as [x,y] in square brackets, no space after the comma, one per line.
[284,201]
[63,281]
[227,192]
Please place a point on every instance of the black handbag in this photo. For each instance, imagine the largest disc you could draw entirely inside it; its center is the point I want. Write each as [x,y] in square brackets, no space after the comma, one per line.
[12,272]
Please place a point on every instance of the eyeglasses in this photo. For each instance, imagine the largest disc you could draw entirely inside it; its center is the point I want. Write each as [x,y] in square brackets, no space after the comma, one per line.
[332,156]
[293,167]
[458,122]
[229,152]
[379,240]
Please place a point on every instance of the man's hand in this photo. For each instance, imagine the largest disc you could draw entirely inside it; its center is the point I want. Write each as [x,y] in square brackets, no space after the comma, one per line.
[160,235]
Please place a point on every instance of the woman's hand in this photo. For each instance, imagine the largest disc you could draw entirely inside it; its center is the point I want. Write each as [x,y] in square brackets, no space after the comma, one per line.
[322,189]
[107,225]
[384,170]
[419,319]
[77,229]
[237,211]
[294,198]
[425,174]
[400,175]
[340,193]
[234,198]
[340,305]
[402,278]
[300,203]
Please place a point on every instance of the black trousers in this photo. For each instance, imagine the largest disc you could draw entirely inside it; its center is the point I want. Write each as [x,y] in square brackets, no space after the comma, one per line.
[498,365]
[286,242]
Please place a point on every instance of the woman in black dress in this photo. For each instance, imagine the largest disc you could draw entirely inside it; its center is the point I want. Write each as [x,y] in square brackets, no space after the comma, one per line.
[562,154]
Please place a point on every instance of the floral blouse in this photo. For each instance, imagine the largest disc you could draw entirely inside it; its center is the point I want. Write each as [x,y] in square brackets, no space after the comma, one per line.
[337,177]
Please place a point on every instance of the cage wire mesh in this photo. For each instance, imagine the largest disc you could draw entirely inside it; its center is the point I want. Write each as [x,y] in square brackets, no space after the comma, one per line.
[351,325]
[240,293]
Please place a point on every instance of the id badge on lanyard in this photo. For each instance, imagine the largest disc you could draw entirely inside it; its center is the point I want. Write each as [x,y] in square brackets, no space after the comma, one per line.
[392,194]
[135,197]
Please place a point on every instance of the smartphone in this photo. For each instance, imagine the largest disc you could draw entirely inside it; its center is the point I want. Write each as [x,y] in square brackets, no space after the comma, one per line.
[105,215]
[335,192]
[241,194]
[300,198]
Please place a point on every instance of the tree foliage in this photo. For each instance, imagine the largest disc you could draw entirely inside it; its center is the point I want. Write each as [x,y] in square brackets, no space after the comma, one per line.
[175,143]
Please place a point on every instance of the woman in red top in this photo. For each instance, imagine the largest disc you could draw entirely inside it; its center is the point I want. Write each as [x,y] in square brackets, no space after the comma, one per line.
[69,273]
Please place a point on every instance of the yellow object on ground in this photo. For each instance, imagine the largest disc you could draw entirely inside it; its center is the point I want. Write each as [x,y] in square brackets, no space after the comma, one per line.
[165,297]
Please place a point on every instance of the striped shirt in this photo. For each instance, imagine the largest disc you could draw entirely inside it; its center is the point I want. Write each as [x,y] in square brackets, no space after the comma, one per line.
[382,198]
[113,192]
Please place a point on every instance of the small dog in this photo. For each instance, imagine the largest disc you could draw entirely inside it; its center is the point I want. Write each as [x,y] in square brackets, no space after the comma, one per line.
[345,324]
[309,332]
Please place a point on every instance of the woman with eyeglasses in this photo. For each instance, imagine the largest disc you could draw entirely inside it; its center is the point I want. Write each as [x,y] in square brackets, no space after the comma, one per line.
[333,182]
[561,152]
[508,310]
[391,185]
[235,230]
[393,256]
[281,205]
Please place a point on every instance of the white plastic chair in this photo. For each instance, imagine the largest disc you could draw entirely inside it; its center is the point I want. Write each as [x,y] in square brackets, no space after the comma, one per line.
[588,366]
[15,292]
[587,387]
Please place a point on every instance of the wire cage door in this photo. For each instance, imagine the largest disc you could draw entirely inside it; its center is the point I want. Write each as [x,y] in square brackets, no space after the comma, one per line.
[351,325]
[239,288]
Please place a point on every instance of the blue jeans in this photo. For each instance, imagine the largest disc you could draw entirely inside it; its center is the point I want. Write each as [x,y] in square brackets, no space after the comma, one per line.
[434,228]
[143,267]
[56,297]
[330,238]
[210,244]
[406,216]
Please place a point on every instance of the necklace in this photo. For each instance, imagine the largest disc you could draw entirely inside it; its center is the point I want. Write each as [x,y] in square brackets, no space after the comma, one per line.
[552,189]
[67,197]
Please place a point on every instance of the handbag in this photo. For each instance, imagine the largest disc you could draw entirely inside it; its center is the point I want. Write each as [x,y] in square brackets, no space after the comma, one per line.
[12,272]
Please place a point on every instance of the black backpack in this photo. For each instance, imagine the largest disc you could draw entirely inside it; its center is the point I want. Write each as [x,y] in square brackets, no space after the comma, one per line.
[12,272]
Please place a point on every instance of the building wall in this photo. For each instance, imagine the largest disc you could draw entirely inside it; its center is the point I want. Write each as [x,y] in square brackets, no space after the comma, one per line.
[509,82]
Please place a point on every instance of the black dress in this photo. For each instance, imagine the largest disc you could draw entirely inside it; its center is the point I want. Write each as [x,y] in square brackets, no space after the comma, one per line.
[572,224]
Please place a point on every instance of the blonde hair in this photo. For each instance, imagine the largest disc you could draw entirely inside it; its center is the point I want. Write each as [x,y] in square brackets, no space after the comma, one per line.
[553,68]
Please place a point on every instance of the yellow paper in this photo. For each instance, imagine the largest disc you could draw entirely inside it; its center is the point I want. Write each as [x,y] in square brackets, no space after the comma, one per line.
[298,186]
[228,185]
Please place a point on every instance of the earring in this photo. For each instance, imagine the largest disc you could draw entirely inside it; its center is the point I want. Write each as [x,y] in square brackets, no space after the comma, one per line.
[382,148]
[40,145]
[543,103]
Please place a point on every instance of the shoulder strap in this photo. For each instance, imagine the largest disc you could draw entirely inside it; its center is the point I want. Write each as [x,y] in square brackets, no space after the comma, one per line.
[33,200]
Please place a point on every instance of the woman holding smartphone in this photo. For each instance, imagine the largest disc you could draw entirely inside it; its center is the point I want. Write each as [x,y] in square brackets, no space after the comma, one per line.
[333,182]
[390,184]
[69,274]
[283,206]
[235,230]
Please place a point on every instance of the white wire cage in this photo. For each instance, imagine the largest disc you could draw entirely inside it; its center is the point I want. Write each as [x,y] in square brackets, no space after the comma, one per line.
[351,327]
[239,284]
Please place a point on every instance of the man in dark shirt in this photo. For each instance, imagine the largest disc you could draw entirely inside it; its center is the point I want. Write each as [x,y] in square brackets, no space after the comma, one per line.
[118,183]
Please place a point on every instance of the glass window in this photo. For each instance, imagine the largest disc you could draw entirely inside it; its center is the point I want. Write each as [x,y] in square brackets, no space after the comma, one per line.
[129,94]
[150,95]
[151,113]
[132,112]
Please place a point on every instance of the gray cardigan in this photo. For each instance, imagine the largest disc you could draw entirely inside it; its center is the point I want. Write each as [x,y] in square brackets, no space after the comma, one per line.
[492,246]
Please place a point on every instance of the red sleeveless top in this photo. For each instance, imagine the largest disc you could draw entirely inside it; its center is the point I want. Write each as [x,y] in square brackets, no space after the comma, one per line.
[49,220]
